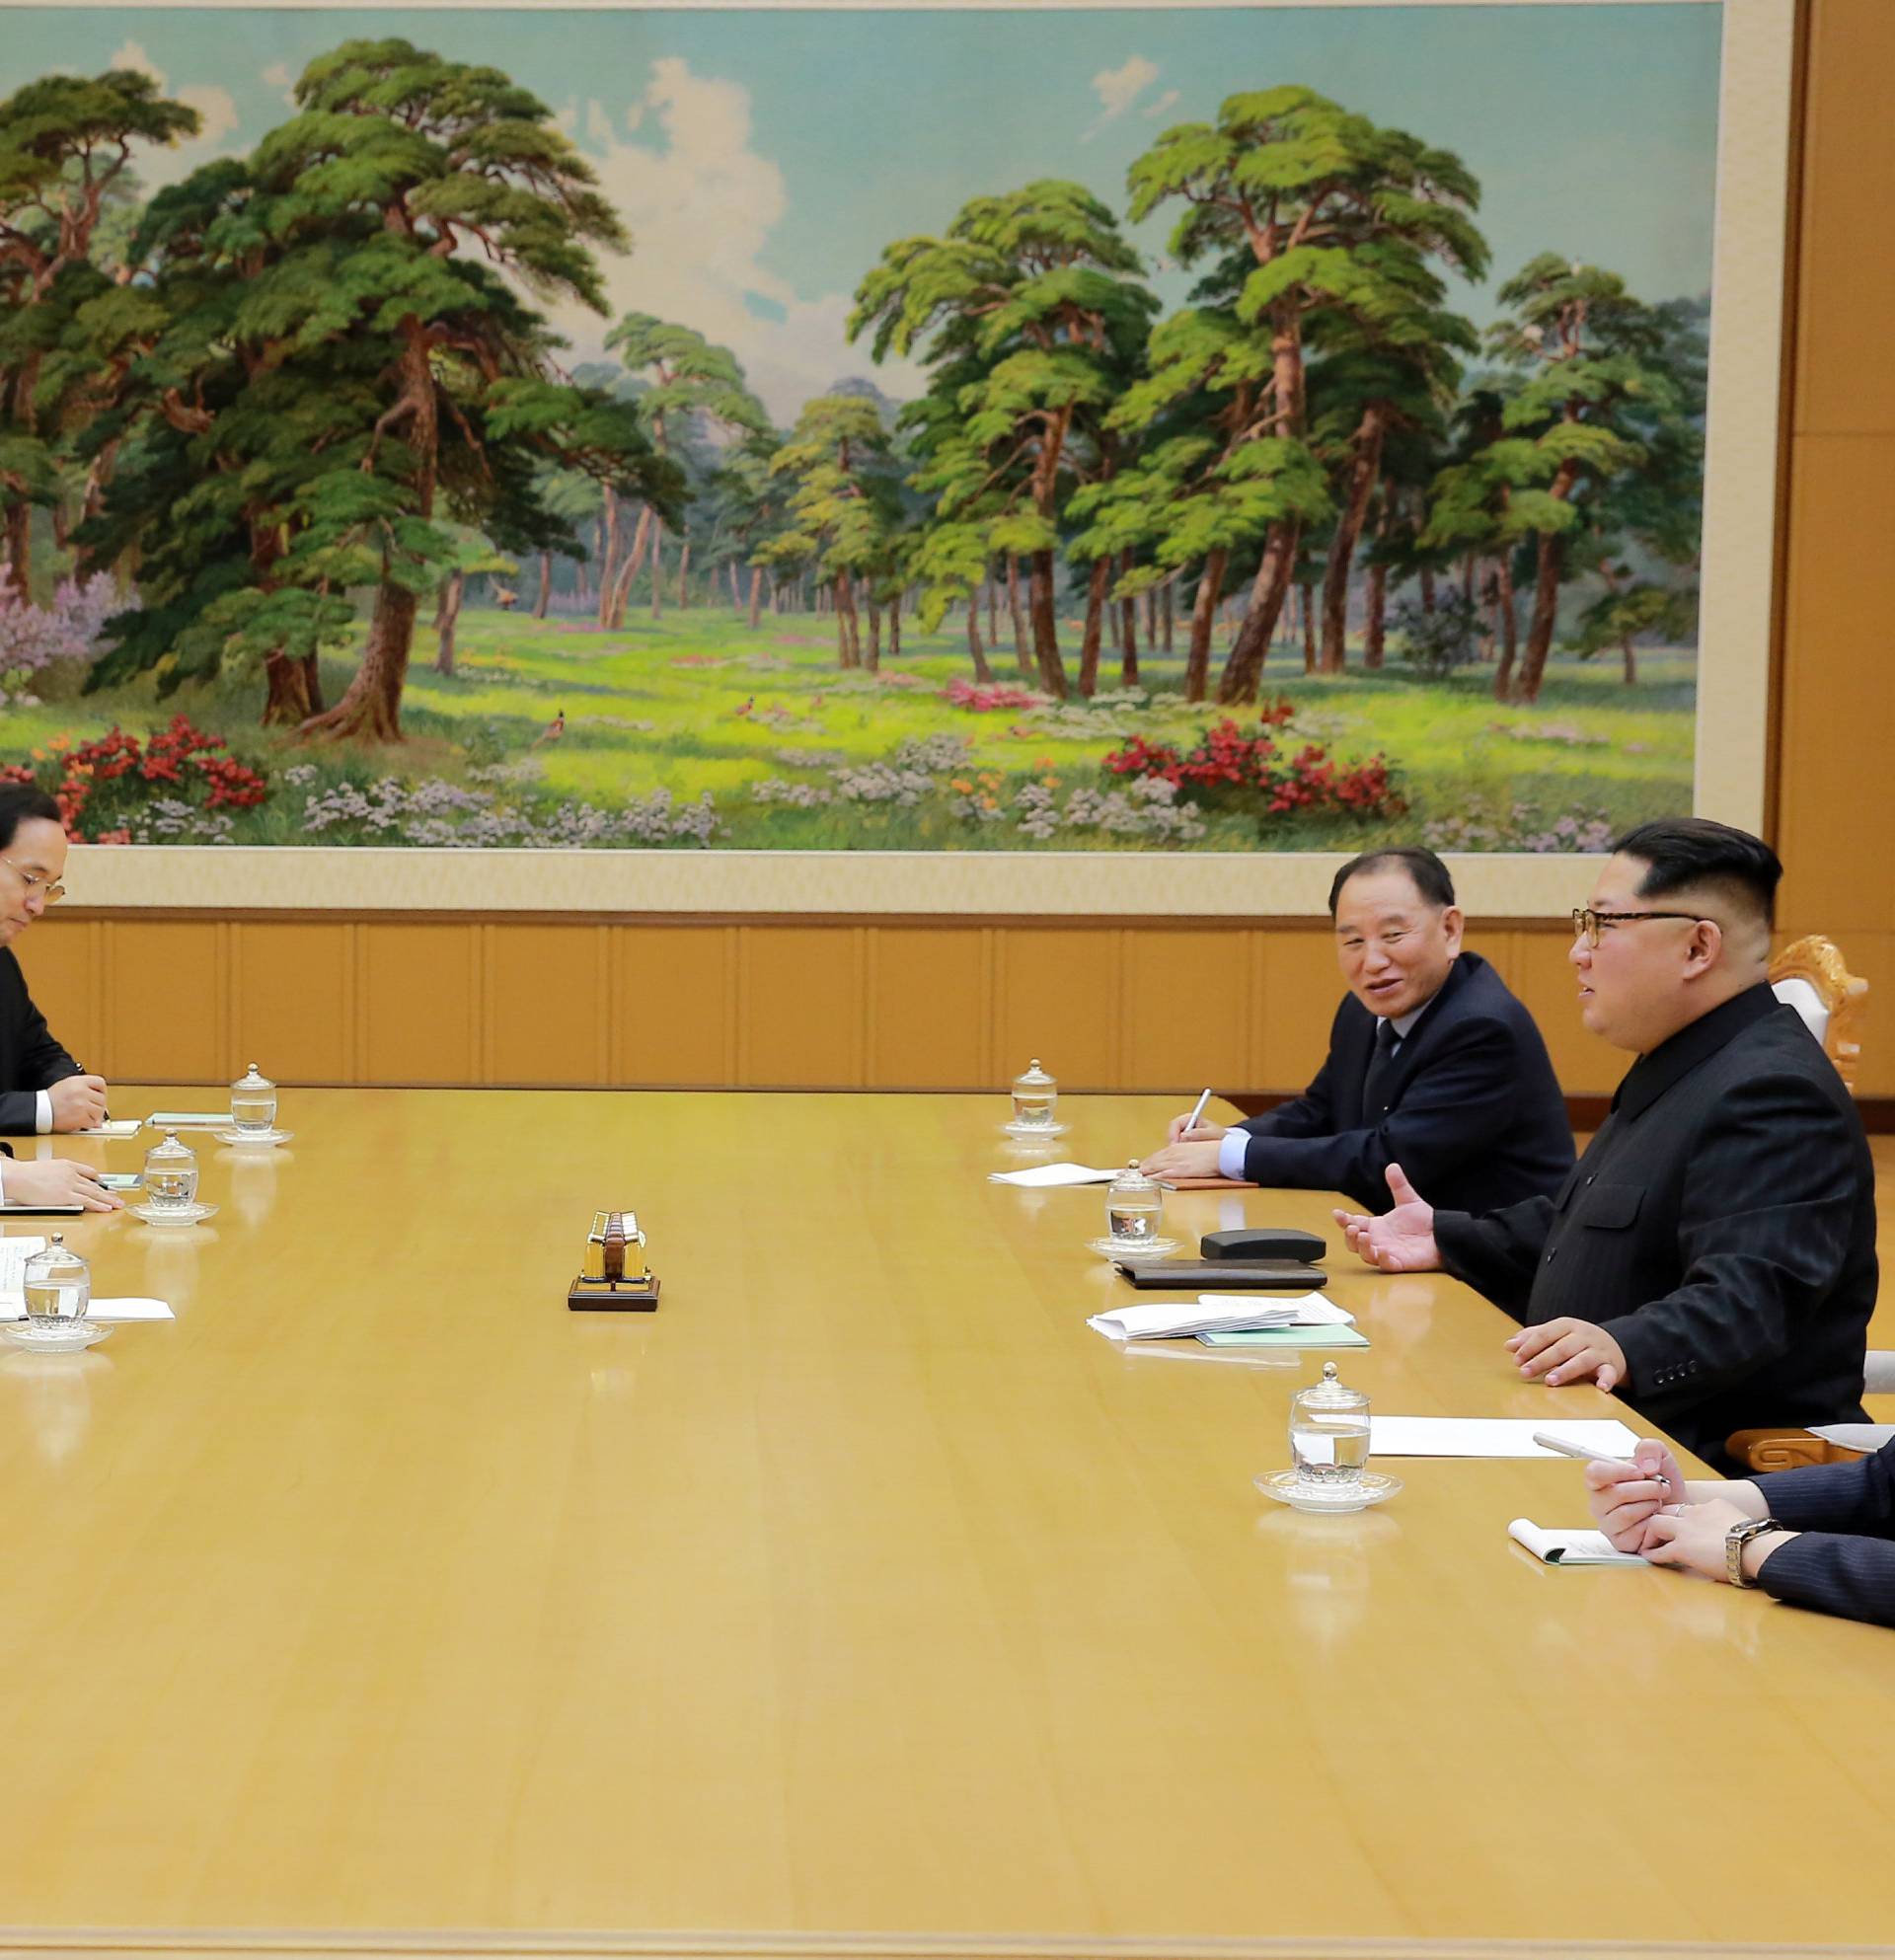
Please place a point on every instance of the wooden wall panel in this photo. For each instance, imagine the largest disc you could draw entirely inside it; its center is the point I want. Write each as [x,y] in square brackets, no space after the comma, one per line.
[1846,290]
[1297,1003]
[294,1010]
[1188,1009]
[62,961]
[165,995]
[799,1006]
[1548,984]
[545,1013]
[1058,998]
[420,988]
[928,989]
[674,1014]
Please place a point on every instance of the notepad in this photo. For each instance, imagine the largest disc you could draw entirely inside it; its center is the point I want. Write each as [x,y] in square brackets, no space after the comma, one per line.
[1457,1436]
[1214,1313]
[1284,1337]
[1568,1548]
[1046,1176]
[119,1126]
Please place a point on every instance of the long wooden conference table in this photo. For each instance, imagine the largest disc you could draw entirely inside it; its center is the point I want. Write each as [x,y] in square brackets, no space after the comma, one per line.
[862,1600]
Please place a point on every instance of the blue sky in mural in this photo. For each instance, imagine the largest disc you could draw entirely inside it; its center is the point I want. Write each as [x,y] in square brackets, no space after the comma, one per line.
[763,159]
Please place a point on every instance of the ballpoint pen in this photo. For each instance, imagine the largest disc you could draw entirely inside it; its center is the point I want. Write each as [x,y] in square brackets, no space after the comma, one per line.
[1196,1113]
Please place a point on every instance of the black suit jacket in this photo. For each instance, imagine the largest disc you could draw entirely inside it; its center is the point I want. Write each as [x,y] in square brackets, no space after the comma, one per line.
[1844,1561]
[1720,1227]
[1472,1111]
[30,1058]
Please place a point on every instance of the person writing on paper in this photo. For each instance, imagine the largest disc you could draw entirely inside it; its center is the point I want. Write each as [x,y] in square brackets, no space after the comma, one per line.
[1712,1255]
[42,1087]
[1432,1063]
[1822,1536]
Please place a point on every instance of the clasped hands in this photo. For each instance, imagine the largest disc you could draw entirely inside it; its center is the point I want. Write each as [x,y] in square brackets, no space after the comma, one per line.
[1402,1241]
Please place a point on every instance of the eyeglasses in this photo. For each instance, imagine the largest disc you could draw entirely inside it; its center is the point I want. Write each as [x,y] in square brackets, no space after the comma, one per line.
[1588,922]
[50,892]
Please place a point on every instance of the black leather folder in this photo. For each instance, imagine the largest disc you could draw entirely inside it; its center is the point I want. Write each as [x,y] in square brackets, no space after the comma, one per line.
[1220,1276]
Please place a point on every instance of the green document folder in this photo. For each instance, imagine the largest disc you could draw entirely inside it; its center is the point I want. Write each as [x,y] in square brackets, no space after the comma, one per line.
[1288,1337]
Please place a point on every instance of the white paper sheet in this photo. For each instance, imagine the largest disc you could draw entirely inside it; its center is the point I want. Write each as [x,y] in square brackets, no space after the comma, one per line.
[14,1254]
[1311,1310]
[1483,1436]
[1172,1319]
[1046,1176]
[1568,1548]
[99,1309]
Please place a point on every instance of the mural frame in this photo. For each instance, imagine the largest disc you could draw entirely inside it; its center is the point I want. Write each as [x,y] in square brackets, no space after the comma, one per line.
[1739,625]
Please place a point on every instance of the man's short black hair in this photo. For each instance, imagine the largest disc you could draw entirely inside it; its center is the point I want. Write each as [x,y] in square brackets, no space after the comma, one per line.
[20,803]
[1429,873]
[1683,852]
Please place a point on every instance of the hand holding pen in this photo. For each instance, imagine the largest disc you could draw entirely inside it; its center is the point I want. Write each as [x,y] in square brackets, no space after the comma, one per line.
[1625,1493]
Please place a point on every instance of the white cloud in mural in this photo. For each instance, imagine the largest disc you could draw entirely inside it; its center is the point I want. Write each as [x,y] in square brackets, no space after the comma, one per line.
[1159,107]
[279,77]
[701,203]
[1119,87]
[160,163]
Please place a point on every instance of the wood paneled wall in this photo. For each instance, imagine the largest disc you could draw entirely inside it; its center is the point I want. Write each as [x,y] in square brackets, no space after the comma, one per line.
[1836,806]
[823,1005]
[954,1004]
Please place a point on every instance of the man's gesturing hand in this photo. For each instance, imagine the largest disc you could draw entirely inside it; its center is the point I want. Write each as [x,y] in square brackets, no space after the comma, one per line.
[78,1103]
[1569,1350]
[1401,1241]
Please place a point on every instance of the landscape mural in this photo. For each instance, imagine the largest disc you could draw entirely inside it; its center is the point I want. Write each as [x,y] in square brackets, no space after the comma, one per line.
[1207,430]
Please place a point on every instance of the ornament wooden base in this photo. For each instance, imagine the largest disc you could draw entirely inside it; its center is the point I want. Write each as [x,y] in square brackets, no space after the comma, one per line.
[606,1296]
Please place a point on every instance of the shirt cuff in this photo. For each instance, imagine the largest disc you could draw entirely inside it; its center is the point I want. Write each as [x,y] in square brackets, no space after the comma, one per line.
[1230,1153]
[42,1114]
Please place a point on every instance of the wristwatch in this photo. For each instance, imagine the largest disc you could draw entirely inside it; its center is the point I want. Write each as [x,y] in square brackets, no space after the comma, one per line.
[1736,1539]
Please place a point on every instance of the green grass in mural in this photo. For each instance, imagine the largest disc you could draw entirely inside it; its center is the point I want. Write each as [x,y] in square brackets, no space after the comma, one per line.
[699,703]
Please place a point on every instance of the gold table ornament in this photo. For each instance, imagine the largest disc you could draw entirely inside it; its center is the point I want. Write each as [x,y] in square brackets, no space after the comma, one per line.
[615,1278]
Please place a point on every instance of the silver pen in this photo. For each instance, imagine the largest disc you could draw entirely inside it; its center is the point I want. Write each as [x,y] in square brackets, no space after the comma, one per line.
[1192,1124]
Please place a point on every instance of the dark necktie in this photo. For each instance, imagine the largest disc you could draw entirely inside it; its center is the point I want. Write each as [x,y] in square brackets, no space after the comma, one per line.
[1380,1065]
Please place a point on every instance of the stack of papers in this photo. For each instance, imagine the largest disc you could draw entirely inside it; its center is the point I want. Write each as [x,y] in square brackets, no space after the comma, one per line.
[1219,1314]
[1569,1548]
[1485,1436]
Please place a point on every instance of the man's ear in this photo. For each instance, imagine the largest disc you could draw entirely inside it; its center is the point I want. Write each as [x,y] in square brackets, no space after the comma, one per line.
[1454,923]
[1705,949]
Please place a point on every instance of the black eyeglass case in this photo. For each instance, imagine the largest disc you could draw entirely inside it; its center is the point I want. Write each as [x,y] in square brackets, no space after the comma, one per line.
[1253,1241]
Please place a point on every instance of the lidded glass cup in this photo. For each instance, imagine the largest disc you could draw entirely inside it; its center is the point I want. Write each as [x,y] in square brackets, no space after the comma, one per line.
[1036,1097]
[1328,1431]
[253,1103]
[1134,1207]
[171,1175]
[57,1284]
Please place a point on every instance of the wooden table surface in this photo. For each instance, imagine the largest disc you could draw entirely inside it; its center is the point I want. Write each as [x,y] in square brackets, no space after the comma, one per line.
[382,1603]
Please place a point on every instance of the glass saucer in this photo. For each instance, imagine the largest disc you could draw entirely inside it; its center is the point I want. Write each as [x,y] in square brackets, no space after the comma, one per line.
[253,1136]
[1133,1248]
[53,1337]
[192,1214]
[1030,1130]
[1370,1487]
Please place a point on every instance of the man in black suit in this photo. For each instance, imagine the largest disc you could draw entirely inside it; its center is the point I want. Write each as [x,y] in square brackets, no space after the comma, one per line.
[1821,1537]
[42,1087]
[1432,1063]
[1712,1255]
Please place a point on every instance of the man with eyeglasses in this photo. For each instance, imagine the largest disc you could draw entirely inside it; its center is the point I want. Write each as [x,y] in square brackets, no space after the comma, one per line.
[1432,1063]
[1712,1255]
[42,1087]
